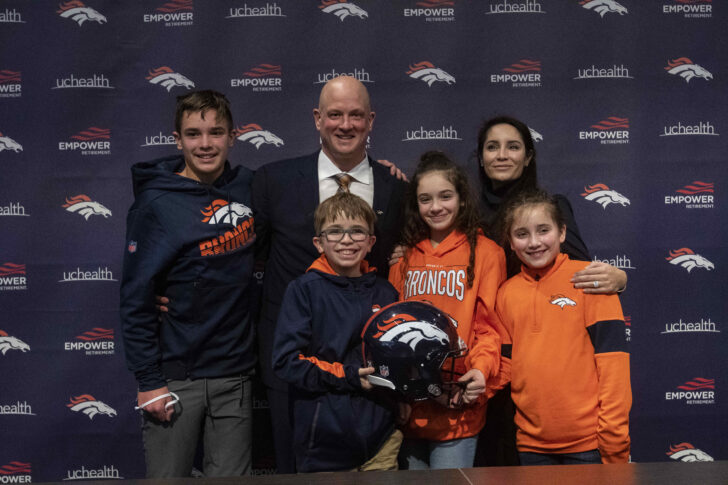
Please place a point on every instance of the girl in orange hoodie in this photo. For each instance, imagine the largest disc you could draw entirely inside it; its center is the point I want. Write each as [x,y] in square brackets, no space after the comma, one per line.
[450,263]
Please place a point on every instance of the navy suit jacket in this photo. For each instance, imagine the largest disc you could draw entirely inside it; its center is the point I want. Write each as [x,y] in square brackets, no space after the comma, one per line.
[285,196]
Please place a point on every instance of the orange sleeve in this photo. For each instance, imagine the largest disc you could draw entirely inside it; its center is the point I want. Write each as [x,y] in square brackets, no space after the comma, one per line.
[605,324]
[485,352]
[395,277]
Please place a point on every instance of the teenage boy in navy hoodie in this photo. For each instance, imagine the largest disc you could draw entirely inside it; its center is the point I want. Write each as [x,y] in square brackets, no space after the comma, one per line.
[190,237]
[339,422]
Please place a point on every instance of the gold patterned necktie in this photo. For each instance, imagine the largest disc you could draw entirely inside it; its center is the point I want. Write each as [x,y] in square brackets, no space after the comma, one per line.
[344,180]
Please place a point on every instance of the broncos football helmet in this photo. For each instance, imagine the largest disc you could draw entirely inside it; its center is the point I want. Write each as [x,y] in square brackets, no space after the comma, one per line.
[408,344]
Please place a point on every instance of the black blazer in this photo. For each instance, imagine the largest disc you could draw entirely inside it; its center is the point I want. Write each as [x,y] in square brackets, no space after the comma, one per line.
[285,196]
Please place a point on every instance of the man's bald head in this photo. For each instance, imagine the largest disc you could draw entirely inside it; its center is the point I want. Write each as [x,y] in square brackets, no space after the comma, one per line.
[344,119]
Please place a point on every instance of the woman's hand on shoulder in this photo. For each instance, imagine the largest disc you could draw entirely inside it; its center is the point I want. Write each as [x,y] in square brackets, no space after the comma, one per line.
[600,277]
[393,170]
[397,254]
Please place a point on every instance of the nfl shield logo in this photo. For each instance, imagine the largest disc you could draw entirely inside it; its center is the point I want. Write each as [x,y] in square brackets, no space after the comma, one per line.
[384,371]
[132,247]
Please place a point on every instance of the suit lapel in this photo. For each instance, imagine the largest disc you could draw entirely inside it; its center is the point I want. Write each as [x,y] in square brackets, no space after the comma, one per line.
[382,187]
[306,185]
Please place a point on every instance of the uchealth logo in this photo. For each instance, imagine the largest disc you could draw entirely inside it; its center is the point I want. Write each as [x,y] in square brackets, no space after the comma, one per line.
[90,406]
[698,326]
[159,139]
[603,195]
[426,72]
[10,86]
[92,81]
[620,261]
[82,205]
[687,452]
[697,195]
[261,78]
[97,341]
[688,259]
[610,131]
[526,73]
[16,472]
[177,13]
[13,277]
[497,7]
[79,12]
[432,10]
[91,141]
[603,7]
[168,79]
[360,75]
[424,134]
[267,10]
[106,472]
[689,8]
[11,16]
[610,72]
[8,342]
[18,408]
[343,9]
[702,128]
[7,143]
[256,135]
[102,273]
[687,69]
[13,209]
[235,213]
[698,390]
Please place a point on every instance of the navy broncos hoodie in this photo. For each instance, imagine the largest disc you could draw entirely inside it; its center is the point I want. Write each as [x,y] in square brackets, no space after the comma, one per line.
[193,243]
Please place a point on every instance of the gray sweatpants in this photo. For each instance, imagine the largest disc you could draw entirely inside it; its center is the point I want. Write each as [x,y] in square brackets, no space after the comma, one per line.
[219,410]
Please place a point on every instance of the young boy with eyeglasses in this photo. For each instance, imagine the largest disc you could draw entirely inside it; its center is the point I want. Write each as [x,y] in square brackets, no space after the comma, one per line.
[339,421]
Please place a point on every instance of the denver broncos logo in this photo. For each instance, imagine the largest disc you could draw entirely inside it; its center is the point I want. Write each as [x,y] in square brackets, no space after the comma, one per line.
[256,135]
[537,137]
[7,143]
[342,9]
[88,405]
[687,452]
[687,69]
[414,332]
[686,258]
[76,10]
[562,301]
[603,195]
[11,343]
[427,72]
[83,205]
[603,7]
[222,212]
[166,77]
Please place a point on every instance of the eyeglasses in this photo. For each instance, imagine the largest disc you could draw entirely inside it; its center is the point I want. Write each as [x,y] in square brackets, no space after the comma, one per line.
[335,234]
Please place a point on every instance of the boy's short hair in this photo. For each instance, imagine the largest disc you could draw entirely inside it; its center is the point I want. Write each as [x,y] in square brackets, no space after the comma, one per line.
[344,204]
[201,101]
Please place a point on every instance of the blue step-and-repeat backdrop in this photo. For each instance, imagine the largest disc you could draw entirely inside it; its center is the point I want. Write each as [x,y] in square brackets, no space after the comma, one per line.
[627,101]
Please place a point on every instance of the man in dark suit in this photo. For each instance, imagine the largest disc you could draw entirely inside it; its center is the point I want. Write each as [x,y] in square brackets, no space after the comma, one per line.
[285,195]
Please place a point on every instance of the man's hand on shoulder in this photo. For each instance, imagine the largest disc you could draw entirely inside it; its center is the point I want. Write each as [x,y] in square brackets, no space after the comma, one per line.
[393,170]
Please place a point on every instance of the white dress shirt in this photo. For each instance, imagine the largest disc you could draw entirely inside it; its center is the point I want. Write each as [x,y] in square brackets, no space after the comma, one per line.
[361,185]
